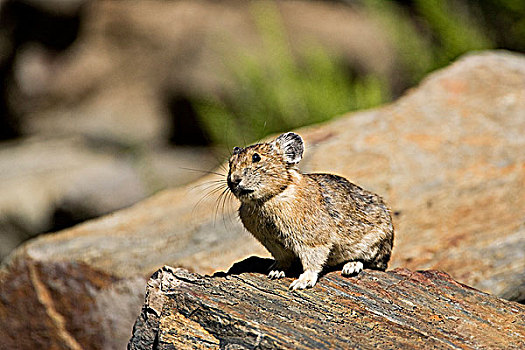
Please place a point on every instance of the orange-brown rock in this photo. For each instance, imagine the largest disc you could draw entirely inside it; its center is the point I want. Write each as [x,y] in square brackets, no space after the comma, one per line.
[448,157]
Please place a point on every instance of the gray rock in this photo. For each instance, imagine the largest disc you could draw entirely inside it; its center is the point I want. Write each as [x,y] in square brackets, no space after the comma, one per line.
[45,184]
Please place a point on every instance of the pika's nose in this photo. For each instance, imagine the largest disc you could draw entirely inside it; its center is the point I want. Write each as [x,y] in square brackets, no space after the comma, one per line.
[235,180]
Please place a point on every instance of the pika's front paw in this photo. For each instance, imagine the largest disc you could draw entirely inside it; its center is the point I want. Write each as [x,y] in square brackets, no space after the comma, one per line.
[306,280]
[275,274]
[351,268]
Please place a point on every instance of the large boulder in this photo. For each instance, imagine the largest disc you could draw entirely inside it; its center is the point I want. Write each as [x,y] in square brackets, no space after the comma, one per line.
[448,158]
[399,309]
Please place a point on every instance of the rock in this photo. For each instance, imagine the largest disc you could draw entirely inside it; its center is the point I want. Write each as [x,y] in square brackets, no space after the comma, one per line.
[448,158]
[66,305]
[398,309]
[51,184]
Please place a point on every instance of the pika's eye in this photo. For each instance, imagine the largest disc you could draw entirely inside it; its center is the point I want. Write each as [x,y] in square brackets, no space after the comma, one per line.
[256,158]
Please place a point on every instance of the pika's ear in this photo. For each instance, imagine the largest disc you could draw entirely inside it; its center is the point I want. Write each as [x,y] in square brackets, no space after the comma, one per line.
[292,146]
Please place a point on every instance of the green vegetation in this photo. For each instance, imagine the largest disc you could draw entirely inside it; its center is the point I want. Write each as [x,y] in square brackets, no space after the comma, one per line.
[284,89]
[436,33]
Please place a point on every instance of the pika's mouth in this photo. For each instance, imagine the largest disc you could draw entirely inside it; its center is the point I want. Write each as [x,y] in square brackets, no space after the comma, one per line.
[238,189]
[244,191]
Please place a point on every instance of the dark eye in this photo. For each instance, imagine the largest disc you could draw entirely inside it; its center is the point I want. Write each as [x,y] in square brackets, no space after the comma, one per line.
[256,158]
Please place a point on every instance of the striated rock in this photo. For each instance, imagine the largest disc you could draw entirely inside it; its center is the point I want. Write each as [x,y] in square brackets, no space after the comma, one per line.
[399,309]
[448,158]
[65,305]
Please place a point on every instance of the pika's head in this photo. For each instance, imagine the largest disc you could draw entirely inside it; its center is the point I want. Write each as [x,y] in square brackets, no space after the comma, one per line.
[261,171]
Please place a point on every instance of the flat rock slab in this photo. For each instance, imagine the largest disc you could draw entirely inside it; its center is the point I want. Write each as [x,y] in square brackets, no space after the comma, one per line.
[396,309]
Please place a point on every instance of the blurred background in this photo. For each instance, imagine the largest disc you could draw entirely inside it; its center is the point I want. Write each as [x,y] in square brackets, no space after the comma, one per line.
[103,103]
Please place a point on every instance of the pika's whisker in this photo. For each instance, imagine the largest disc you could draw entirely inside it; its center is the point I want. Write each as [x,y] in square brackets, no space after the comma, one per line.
[218,202]
[223,167]
[204,171]
[210,193]
[227,197]
[208,184]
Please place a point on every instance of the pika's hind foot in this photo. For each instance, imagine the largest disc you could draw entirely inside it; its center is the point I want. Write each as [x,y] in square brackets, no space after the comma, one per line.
[306,280]
[351,268]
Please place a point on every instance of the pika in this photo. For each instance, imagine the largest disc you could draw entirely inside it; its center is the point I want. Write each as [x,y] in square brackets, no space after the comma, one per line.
[321,219]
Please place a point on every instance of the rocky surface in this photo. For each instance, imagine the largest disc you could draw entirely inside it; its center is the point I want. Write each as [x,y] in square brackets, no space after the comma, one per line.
[399,309]
[45,183]
[49,184]
[66,305]
[448,157]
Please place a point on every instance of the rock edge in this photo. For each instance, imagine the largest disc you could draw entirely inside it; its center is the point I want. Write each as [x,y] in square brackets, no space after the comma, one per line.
[394,309]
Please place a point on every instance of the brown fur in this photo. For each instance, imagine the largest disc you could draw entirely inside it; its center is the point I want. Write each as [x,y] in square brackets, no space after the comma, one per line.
[322,219]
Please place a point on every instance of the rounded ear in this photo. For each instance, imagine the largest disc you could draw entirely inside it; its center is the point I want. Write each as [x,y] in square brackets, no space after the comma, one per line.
[237,150]
[292,146]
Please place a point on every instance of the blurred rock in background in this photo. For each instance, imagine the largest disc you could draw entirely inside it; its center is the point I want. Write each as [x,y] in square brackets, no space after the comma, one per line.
[153,84]
[134,64]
